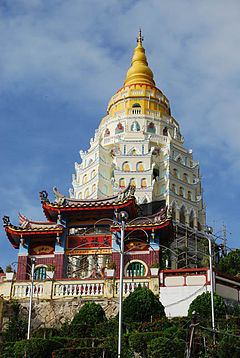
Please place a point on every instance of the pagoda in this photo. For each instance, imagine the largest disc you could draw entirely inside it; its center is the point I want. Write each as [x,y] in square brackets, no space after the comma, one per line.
[136,162]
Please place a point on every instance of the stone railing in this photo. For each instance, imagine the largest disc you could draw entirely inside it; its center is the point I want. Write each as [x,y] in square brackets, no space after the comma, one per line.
[99,287]
[78,289]
[23,290]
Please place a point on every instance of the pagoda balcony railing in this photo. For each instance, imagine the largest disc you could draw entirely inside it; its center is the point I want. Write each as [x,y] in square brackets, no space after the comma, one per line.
[23,290]
[78,289]
[129,285]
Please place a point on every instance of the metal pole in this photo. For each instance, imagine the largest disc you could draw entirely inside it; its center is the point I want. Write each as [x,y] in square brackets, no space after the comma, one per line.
[30,302]
[211,275]
[121,291]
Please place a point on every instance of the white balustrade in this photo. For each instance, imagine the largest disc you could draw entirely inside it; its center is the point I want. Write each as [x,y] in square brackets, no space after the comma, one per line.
[81,289]
[22,291]
[130,286]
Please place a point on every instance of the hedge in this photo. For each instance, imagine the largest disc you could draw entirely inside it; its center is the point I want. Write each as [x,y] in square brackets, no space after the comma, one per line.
[164,347]
[80,353]
[6,349]
[139,341]
[36,348]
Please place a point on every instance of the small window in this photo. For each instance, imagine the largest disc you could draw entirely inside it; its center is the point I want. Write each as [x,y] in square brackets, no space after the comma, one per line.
[140,166]
[173,155]
[80,195]
[173,188]
[135,127]
[185,178]
[104,189]
[151,128]
[107,133]
[143,183]
[119,128]
[136,105]
[181,192]
[93,173]
[165,131]
[133,181]
[122,183]
[164,172]
[124,149]
[189,196]
[86,193]
[135,269]
[143,149]
[94,187]
[126,167]
[85,179]
[40,273]
[104,173]
[176,173]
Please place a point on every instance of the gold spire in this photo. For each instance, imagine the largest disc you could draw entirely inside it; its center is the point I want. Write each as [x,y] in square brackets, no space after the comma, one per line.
[139,72]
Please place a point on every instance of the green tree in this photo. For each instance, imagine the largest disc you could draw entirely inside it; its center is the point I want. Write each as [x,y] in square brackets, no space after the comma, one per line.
[230,264]
[202,305]
[1,270]
[91,314]
[142,306]
[166,348]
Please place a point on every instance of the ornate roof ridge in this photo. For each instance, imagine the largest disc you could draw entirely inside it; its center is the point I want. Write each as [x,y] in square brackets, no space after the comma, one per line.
[26,222]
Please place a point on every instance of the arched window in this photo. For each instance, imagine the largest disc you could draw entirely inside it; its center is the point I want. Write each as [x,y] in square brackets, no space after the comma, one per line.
[126,167]
[85,179]
[135,126]
[90,161]
[104,189]
[133,181]
[189,195]
[104,173]
[122,183]
[181,192]
[163,188]
[134,152]
[176,173]
[119,128]
[80,195]
[173,155]
[93,173]
[136,105]
[185,178]
[165,131]
[86,193]
[173,212]
[151,128]
[143,183]
[135,269]
[179,159]
[140,166]
[40,273]
[182,215]
[94,187]
[174,188]
[107,133]
[194,178]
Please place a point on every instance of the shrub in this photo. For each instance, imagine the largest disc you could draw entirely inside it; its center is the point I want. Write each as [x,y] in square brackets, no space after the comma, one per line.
[36,348]
[166,348]
[78,353]
[229,347]
[6,349]
[91,314]
[202,305]
[43,332]
[142,306]
[16,330]
[139,341]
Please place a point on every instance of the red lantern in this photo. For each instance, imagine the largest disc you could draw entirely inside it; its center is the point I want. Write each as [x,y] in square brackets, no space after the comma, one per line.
[151,125]
[120,127]
[108,132]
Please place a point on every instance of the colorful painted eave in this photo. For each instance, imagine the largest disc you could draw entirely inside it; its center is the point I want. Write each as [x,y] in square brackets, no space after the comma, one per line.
[147,226]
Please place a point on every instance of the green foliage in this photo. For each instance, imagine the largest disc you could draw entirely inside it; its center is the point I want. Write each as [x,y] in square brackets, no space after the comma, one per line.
[36,348]
[91,314]
[46,332]
[228,347]
[202,306]
[76,330]
[79,353]
[15,331]
[163,347]
[139,341]
[1,270]
[9,268]
[230,264]
[6,349]
[142,306]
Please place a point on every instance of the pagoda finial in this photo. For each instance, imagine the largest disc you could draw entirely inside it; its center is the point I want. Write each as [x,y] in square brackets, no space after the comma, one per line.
[140,38]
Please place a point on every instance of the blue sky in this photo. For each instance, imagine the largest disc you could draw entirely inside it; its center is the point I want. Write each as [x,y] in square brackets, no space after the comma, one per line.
[61,61]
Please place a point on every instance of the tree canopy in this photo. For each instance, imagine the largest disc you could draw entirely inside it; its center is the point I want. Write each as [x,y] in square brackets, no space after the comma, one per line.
[91,314]
[202,305]
[142,306]
[230,264]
